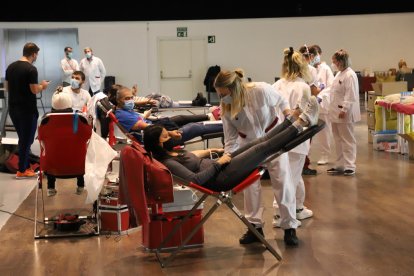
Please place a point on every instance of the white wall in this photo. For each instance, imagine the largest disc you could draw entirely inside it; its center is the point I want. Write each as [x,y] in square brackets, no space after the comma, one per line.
[129,49]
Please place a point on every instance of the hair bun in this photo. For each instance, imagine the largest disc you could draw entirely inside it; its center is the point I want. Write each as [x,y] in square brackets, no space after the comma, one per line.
[239,72]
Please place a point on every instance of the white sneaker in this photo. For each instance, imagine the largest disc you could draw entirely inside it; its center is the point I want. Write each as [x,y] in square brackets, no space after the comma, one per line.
[311,112]
[323,161]
[277,221]
[51,192]
[303,213]
[79,190]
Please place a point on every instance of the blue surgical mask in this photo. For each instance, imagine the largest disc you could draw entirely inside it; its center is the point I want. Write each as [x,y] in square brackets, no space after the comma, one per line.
[69,55]
[227,99]
[129,105]
[317,59]
[88,55]
[75,84]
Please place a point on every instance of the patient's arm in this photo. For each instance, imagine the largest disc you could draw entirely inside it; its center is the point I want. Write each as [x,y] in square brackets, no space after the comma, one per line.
[207,153]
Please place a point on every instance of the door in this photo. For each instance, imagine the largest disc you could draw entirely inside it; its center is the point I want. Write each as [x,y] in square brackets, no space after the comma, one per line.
[51,44]
[182,64]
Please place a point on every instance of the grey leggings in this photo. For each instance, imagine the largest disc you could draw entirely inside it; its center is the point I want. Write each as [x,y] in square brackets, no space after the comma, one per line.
[250,156]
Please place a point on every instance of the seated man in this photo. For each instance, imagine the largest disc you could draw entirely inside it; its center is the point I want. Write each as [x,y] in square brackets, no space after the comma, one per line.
[228,171]
[62,103]
[133,121]
[80,97]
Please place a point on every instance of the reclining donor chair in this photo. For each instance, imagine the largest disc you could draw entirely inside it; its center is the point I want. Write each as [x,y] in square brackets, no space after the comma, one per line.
[140,194]
[108,108]
[63,139]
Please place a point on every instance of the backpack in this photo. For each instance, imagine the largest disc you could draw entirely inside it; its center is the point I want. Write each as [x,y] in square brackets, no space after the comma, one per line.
[142,181]
[164,100]
[200,100]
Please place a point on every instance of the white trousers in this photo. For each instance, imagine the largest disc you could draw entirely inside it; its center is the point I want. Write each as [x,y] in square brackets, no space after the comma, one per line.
[345,144]
[296,162]
[284,192]
[324,137]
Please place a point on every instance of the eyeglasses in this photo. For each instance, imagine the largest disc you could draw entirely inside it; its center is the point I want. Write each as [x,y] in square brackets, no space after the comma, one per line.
[128,98]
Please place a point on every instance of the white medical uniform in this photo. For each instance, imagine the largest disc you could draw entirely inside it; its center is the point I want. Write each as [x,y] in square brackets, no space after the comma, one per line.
[293,91]
[94,71]
[345,97]
[323,137]
[260,111]
[68,66]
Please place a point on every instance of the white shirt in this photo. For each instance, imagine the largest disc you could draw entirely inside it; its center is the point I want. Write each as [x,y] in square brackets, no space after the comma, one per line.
[344,96]
[79,100]
[68,66]
[325,76]
[292,92]
[94,71]
[260,111]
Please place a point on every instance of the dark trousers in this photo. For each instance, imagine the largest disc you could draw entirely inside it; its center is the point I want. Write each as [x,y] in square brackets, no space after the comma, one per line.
[51,181]
[25,125]
[250,156]
[182,120]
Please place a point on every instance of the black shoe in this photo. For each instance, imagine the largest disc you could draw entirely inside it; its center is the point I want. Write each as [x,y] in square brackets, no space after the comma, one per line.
[349,172]
[308,171]
[290,237]
[334,171]
[249,237]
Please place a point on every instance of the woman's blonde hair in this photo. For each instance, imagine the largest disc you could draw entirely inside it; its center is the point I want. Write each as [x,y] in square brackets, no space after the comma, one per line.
[294,66]
[232,80]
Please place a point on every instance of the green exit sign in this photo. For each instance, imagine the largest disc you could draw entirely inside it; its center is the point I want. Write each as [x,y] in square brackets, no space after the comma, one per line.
[211,39]
[181,31]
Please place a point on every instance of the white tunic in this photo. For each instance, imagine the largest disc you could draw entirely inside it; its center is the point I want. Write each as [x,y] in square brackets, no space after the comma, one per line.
[293,91]
[345,96]
[68,66]
[94,71]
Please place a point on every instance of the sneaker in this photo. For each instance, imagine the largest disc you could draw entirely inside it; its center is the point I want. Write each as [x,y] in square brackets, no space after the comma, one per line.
[26,174]
[303,213]
[308,171]
[323,160]
[334,171]
[290,237]
[311,112]
[349,172]
[277,221]
[249,237]
[79,190]
[51,192]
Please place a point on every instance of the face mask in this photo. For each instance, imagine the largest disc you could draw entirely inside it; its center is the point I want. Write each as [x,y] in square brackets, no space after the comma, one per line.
[69,55]
[227,99]
[129,105]
[317,59]
[74,83]
[334,68]
[88,55]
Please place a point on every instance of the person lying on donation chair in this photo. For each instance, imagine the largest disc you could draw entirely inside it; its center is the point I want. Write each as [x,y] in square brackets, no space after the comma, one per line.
[62,103]
[227,171]
[180,128]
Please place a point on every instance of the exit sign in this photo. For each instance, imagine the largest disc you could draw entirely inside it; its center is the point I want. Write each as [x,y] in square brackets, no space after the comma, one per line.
[181,31]
[211,39]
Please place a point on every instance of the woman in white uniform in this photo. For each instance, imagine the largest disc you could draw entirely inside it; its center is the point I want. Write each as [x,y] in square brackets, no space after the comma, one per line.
[344,112]
[249,111]
[293,87]
[324,80]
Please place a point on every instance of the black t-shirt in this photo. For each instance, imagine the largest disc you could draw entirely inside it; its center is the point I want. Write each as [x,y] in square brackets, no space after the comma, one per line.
[19,76]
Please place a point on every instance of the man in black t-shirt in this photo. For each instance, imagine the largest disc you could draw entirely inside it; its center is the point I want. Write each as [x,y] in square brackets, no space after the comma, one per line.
[22,85]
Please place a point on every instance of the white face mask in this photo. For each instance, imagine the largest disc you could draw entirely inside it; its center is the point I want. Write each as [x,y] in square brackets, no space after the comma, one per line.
[317,60]
[227,99]
[334,67]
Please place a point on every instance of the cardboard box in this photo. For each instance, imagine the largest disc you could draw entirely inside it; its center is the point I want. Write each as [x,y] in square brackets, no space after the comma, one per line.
[371,133]
[371,119]
[410,139]
[371,101]
[385,142]
[387,88]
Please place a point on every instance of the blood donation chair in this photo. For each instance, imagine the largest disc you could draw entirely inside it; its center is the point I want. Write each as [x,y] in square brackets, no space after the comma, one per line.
[63,139]
[183,231]
[108,108]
